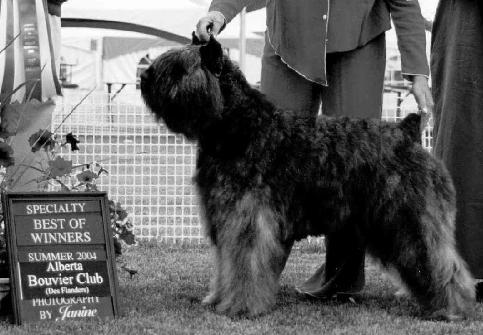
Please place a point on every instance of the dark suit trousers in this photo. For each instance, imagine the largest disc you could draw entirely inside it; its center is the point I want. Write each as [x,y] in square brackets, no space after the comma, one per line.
[355,88]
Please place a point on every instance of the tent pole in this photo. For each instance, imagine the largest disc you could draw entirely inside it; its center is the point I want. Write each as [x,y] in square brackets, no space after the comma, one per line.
[243,40]
[99,64]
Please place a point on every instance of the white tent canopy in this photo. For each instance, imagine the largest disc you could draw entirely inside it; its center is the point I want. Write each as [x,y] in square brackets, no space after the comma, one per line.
[179,16]
[129,4]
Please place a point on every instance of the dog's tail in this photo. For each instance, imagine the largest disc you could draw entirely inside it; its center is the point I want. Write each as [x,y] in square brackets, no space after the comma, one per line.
[411,126]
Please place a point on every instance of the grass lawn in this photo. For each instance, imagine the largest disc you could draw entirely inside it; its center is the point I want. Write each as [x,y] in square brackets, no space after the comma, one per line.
[164,298]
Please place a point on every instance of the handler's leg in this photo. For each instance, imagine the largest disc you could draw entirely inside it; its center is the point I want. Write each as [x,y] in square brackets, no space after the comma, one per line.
[356,80]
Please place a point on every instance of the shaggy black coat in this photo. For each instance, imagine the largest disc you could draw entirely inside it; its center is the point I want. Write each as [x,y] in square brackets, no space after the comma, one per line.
[268,177]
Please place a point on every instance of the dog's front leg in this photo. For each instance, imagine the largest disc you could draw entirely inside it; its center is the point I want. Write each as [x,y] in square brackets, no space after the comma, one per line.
[214,296]
[251,258]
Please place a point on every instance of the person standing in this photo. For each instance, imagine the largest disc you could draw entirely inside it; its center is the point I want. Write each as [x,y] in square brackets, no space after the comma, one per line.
[457,82]
[330,54]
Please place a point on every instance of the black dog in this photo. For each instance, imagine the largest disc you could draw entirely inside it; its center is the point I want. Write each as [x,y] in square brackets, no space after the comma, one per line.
[268,178]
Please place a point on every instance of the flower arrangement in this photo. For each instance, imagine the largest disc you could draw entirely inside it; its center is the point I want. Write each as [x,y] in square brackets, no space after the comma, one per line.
[58,171]
[61,173]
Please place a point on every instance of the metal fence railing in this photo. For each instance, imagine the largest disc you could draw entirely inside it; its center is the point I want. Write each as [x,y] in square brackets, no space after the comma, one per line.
[150,168]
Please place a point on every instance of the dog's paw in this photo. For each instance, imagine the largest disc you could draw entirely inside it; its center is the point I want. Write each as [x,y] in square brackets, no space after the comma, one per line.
[210,299]
[243,308]
[444,315]
[240,311]
[402,292]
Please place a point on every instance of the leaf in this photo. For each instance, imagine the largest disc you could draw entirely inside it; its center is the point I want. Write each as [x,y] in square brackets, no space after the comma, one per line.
[128,237]
[11,115]
[6,99]
[72,141]
[60,167]
[131,272]
[5,134]
[6,155]
[117,247]
[42,139]
[101,171]
[123,215]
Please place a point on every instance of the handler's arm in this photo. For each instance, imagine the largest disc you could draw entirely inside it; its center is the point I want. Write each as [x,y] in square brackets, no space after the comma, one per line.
[411,37]
[230,8]
[220,13]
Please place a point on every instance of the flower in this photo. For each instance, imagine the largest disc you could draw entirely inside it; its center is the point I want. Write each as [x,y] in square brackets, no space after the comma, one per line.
[72,140]
[127,236]
[60,167]
[86,176]
[6,155]
[121,223]
[42,139]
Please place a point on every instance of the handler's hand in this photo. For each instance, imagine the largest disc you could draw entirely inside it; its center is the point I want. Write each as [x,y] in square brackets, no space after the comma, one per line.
[211,24]
[423,97]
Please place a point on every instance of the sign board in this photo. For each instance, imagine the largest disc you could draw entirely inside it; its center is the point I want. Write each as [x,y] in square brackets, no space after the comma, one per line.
[61,256]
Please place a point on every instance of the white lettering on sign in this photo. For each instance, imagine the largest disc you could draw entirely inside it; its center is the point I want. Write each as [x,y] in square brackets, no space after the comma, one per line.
[66,290]
[65,237]
[74,290]
[77,223]
[74,207]
[84,278]
[57,301]
[64,267]
[34,281]
[45,315]
[52,291]
[68,312]
[46,224]
[49,256]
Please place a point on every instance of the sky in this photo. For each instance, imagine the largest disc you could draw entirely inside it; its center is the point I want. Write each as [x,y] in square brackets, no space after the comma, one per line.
[428,7]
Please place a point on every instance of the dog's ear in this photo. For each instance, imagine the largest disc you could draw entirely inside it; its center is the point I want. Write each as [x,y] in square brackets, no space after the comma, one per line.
[212,56]
[194,39]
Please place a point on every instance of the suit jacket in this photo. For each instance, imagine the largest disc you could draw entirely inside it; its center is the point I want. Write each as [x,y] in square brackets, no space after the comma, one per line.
[302,32]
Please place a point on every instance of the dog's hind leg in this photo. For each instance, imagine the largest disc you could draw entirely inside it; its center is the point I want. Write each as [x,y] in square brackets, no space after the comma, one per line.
[453,283]
[421,247]
[251,258]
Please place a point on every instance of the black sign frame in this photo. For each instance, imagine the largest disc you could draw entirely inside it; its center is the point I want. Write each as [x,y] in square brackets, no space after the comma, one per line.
[8,201]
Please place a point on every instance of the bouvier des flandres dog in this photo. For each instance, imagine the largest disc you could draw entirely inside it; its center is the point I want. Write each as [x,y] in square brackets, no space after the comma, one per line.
[267,178]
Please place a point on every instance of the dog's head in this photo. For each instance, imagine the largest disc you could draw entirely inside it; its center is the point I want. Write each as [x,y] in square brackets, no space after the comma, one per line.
[182,87]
